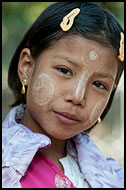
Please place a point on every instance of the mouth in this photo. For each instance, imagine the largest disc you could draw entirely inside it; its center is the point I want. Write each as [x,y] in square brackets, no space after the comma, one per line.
[66,118]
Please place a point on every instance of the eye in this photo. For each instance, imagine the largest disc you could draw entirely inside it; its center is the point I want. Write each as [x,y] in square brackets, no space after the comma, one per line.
[100,85]
[65,71]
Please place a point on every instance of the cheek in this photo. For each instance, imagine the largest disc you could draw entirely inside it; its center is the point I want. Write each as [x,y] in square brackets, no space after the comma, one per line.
[43,89]
[97,110]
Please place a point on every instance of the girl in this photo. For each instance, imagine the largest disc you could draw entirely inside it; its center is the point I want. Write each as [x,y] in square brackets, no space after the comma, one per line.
[64,74]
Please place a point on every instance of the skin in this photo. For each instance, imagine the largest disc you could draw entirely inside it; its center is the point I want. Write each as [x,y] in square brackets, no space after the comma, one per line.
[42,85]
[96,108]
[75,88]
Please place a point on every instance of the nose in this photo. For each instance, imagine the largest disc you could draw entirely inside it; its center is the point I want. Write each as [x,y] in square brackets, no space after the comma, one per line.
[75,100]
[76,94]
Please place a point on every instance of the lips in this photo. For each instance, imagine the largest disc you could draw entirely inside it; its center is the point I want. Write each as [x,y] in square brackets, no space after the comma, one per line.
[67,118]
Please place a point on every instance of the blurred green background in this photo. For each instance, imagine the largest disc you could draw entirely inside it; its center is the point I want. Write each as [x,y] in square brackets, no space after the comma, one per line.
[16,19]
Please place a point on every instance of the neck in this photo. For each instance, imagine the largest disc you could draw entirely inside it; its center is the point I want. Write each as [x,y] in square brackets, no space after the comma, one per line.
[57,149]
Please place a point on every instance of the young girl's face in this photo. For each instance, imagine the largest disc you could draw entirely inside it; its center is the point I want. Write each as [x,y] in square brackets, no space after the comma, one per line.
[70,87]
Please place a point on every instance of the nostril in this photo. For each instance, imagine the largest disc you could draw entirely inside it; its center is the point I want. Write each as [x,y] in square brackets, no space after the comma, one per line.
[71,98]
[73,102]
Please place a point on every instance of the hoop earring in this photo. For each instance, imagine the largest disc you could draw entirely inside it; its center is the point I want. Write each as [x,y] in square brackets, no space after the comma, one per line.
[23,87]
[99,120]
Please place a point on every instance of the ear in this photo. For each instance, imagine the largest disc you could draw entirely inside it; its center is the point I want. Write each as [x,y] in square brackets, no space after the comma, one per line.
[25,65]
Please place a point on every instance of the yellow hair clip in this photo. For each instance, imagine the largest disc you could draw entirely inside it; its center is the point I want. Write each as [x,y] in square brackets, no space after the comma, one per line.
[68,20]
[121,49]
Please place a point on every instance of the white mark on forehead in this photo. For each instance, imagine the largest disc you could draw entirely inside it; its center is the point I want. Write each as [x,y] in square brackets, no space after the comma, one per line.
[43,89]
[96,109]
[93,60]
[93,55]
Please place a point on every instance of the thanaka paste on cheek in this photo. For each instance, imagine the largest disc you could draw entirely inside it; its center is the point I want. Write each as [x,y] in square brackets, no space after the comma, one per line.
[96,110]
[43,89]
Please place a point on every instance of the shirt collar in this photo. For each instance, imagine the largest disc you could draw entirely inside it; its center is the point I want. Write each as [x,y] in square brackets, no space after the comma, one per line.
[20,144]
[98,172]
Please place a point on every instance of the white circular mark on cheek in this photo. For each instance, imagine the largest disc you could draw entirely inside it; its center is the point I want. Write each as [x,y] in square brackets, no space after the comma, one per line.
[93,56]
[43,89]
[97,108]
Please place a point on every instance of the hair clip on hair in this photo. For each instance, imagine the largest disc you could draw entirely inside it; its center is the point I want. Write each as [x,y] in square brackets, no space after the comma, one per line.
[121,49]
[68,20]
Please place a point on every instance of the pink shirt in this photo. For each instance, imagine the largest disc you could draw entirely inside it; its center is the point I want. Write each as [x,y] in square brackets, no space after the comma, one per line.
[43,173]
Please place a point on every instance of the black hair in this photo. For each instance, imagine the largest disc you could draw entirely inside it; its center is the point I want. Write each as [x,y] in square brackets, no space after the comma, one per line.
[93,22]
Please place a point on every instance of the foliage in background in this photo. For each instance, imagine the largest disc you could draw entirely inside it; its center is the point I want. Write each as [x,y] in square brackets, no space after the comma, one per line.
[16,19]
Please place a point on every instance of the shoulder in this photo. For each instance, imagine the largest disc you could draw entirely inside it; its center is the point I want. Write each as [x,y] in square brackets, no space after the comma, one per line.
[19,143]
[94,165]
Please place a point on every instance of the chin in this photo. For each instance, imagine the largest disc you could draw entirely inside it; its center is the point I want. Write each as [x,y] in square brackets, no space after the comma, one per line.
[62,136]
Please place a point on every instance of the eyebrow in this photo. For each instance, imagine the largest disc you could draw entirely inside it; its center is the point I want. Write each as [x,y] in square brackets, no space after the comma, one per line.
[68,59]
[105,75]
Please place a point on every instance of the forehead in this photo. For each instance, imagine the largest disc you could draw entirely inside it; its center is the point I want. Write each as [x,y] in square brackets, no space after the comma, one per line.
[86,52]
[82,46]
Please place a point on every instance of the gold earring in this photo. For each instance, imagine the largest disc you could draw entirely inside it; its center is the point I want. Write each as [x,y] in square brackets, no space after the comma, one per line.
[99,120]
[23,86]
